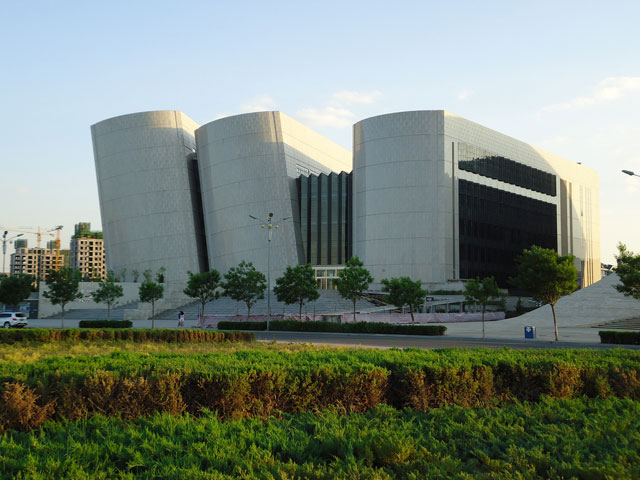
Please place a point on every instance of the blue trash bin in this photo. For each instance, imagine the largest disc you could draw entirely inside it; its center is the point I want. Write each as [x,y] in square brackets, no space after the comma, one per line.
[529,332]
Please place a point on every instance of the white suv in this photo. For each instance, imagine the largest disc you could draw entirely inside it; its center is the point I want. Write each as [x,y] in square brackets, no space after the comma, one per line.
[13,319]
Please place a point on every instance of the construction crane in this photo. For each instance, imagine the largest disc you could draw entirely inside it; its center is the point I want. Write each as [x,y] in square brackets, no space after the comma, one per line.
[32,232]
[57,230]
[39,233]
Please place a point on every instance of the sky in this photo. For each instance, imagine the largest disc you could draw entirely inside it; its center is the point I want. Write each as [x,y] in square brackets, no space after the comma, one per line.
[561,75]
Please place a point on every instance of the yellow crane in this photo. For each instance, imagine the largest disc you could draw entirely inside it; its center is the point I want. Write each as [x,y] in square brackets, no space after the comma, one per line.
[57,230]
[33,232]
[39,233]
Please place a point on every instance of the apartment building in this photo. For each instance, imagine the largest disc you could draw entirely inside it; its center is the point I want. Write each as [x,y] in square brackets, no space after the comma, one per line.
[87,253]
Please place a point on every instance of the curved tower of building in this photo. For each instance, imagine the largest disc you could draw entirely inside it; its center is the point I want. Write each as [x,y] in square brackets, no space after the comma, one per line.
[440,198]
[149,193]
[248,166]
[402,224]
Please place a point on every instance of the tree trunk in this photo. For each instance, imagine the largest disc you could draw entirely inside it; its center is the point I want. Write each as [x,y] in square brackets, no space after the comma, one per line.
[108,311]
[301,303]
[555,320]
[483,307]
[354,310]
[411,312]
[248,310]
[153,311]
[62,319]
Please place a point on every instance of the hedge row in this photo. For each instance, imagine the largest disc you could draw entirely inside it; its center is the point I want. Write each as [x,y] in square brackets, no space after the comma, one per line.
[133,335]
[577,439]
[249,383]
[621,338]
[358,327]
[105,324]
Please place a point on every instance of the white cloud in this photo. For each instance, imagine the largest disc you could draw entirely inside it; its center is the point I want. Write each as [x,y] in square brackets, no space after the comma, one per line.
[259,104]
[464,94]
[22,191]
[346,97]
[336,114]
[327,117]
[609,89]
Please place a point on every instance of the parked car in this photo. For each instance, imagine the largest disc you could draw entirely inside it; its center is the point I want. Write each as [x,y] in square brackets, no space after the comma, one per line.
[13,319]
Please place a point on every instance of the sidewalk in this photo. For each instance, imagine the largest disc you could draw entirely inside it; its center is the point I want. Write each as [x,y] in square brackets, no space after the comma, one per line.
[509,329]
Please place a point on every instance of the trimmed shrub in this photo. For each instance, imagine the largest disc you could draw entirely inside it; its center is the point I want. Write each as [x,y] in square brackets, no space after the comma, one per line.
[260,383]
[621,338]
[105,324]
[42,335]
[359,327]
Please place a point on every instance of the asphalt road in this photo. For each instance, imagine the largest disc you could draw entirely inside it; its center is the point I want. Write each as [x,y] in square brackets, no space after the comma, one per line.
[414,341]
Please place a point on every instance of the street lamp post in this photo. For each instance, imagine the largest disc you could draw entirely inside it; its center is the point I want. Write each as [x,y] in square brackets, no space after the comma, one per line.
[629,172]
[4,247]
[270,226]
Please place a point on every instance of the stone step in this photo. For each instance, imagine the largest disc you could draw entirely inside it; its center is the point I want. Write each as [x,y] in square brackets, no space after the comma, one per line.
[624,324]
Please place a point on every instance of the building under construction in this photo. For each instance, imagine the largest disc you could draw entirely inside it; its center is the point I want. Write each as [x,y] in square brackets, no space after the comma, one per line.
[37,261]
[87,253]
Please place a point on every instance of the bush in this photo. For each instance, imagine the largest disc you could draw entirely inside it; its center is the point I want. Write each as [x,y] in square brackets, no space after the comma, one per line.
[359,327]
[105,324]
[585,439]
[42,335]
[262,383]
[622,338]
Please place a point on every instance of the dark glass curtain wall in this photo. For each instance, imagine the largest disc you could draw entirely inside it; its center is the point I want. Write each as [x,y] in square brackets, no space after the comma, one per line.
[479,161]
[495,226]
[325,217]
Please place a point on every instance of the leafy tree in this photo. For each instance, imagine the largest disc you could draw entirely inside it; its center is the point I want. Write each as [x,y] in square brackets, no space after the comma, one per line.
[245,284]
[353,281]
[136,275]
[148,275]
[404,291]
[63,287]
[15,288]
[150,292]
[160,275]
[123,275]
[204,287]
[297,285]
[108,292]
[628,270]
[547,276]
[482,291]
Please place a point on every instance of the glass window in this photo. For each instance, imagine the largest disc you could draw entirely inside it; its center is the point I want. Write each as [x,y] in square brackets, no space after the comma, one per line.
[487,164]
[495,226]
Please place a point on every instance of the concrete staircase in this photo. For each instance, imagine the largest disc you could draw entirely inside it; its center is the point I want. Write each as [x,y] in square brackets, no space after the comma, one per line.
[117,313]
[623,324]
[330,302]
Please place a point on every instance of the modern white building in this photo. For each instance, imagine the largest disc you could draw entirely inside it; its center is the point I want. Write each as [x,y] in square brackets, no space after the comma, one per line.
[248,166]
[424,194]
[441,198]
[149,193]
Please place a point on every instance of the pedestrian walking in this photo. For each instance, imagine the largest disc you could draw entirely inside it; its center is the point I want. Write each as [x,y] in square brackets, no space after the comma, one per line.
[181,319]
